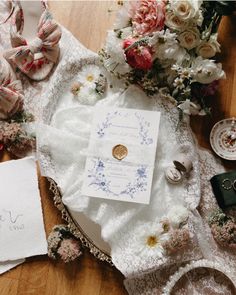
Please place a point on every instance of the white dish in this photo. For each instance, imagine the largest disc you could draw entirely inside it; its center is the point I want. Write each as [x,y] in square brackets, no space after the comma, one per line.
[219,140]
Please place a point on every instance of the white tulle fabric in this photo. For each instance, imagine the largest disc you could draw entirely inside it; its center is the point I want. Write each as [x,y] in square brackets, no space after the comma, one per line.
[65,141]
[62,141]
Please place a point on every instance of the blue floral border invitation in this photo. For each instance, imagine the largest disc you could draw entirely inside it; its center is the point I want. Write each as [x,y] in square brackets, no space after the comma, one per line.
[124,173]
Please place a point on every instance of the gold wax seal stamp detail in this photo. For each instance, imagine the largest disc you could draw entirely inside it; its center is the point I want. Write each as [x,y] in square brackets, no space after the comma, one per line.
[119,152]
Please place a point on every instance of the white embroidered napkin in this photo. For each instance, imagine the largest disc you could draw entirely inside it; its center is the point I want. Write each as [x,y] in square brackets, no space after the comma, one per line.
[21,220]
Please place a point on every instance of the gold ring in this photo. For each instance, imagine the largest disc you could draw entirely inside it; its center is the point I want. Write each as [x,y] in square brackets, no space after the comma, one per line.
[227,184]
[119,152]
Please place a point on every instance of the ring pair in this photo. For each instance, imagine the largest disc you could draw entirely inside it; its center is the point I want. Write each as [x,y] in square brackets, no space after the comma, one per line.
[228,184]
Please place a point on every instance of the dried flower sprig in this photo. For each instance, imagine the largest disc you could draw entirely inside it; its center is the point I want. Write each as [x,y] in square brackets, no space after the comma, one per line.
[62,244]
[178,240]
[223,228]
[15,139]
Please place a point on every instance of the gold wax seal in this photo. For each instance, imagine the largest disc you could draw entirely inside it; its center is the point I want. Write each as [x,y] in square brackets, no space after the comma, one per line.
[119,152]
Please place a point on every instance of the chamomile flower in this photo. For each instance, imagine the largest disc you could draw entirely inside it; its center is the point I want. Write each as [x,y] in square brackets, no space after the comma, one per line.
[89,75]
[149,240]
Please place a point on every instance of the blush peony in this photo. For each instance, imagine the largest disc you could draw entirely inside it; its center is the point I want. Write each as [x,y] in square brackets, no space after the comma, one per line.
[138,57]
[148,16]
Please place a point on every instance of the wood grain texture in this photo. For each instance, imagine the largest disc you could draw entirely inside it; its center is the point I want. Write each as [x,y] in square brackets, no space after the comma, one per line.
[88,21]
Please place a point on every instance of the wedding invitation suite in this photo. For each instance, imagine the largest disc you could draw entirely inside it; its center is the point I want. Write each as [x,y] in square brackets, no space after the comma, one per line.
[121,154]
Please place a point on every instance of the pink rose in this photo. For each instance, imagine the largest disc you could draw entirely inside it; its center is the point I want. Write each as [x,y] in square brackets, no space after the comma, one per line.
[148,16]
[138,57]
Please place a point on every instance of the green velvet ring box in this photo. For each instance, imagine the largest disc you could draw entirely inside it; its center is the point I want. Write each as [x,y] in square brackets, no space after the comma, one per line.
[224,188]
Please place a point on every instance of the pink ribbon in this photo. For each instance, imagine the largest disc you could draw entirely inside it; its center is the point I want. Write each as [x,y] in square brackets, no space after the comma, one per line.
[46,43]
[11,92]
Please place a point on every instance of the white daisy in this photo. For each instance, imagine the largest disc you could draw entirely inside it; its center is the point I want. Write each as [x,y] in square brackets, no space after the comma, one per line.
[89,75]
[149,239]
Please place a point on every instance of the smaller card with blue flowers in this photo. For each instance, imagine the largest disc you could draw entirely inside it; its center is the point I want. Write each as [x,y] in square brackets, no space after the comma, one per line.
[121,154]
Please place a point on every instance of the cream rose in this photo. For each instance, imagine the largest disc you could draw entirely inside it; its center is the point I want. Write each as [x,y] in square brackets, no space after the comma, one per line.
[190,38]
[185,9]
[208,49]
[174,22]
[207,71]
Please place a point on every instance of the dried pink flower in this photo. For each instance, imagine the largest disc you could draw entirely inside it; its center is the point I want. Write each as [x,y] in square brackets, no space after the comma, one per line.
[75,88]
[225,235]
[9,132]
[179,239]
[15,139]
[69,250]
[22,146]
[166,225]
[148,16]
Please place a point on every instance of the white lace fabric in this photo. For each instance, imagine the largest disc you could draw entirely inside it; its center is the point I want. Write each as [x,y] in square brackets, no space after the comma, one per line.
[200,279]
[63,136]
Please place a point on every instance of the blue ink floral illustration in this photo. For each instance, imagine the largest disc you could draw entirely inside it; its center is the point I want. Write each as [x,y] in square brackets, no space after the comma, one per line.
[98,178]
[144,127]
[106,124]
[143,131]
[100,181]
[139,184]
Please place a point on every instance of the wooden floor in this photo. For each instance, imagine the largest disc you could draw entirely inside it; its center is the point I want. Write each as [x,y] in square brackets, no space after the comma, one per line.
[88,21]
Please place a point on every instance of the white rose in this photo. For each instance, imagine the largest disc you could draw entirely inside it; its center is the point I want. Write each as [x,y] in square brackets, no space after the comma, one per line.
[177,215]
[171,52]
[208,49]
[174,22]
[189,38]
[185,9]
[207,71]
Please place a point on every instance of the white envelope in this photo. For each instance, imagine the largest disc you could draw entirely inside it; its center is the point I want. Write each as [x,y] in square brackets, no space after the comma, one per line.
[5,266]
[21,221]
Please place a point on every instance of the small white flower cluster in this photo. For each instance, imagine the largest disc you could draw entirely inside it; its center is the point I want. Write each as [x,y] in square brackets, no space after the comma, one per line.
[184,37]
[89,85]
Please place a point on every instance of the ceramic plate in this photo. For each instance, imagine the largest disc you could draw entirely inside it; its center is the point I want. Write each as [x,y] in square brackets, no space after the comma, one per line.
[220,141]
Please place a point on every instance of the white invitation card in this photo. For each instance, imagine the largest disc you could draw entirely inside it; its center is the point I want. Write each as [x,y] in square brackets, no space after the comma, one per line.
[121,154]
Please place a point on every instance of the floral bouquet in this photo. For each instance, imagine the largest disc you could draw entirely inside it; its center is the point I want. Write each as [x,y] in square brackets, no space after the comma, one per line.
[168,46]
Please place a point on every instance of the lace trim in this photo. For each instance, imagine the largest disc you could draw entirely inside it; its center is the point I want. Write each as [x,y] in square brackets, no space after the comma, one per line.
[197,264]
[74,227]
